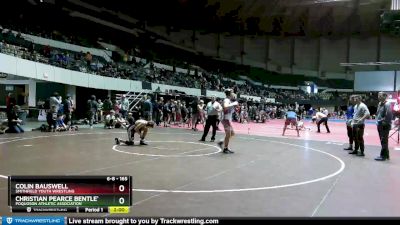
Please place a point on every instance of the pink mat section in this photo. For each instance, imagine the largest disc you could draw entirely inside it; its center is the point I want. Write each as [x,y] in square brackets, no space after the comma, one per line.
[273,128]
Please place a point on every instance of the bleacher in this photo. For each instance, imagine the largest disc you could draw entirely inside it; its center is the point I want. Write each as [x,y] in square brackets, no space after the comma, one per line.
[17,46]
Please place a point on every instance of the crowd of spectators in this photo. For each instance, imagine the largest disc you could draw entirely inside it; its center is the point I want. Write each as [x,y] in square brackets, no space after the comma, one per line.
[129,68]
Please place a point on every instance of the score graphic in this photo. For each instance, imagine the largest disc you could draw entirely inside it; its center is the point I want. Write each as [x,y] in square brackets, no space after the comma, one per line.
[90,194]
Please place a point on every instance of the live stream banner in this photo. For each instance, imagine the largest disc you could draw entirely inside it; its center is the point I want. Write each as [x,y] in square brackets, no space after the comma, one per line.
[69,193]
[20,220]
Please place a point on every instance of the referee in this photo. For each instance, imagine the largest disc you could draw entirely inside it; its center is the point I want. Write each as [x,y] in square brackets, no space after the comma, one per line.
[213,109]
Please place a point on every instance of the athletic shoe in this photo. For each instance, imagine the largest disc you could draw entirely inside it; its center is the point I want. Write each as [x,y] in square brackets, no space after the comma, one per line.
[202,140]
[360,154]
[143,143]
[348,148]
[130,143]
[117,142]
[228,151]
[353,152]
[380,158]
[212,140]
[220,143]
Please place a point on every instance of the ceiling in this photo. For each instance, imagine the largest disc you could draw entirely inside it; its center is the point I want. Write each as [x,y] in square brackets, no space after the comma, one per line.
[274,17]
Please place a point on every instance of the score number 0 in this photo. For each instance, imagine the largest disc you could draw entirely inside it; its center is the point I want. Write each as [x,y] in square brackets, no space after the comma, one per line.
[121,200]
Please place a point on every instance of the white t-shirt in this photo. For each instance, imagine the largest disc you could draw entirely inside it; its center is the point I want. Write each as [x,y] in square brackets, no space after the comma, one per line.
[320,115]
[213,108]
[228,110]
[109,118]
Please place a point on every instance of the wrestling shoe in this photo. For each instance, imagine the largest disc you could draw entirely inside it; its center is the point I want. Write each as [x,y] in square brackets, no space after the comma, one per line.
[228,151]
[117,142]
[142,142]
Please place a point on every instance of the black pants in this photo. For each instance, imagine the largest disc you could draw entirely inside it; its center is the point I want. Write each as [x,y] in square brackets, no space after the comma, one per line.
[52,124]
[350,134]
[157,116]
[325,121]
[211,121]
[358,134]
[383,131]
[68,119]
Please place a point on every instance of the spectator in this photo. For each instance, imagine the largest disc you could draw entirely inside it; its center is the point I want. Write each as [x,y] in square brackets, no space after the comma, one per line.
[13,120]
[51,118]
[100,110]
[88,59]
[93,107]
[68,109]
[46,51]
[110,120]
[55,100]
[124,106]
[147,109]
[10,100]
[60,123]
[167,113]
[107,106]
[116,106]
[196,112]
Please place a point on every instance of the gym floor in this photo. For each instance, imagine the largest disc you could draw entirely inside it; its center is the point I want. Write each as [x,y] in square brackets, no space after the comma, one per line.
[176,175]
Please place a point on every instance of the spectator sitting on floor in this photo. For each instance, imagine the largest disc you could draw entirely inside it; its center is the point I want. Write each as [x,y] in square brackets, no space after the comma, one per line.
[120,122]
[13,120]
[110,120]
[3,127]
[60,123]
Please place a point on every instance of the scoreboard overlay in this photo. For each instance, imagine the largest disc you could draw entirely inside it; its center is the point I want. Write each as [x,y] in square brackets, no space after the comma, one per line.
[91,194]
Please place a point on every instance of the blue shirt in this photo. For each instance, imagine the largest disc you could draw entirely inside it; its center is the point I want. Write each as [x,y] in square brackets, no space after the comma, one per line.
[350,112]
[291,115]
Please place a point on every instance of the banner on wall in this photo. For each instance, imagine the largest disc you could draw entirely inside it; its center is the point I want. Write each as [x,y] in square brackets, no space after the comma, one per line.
[146,85]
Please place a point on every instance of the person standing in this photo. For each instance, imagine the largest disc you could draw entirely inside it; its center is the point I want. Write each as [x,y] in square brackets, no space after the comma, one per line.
[195,112]
[322,118]
[93,107]
[361,113]
[167,113]
[159,111]
[124,106]
[68,109]
[228,108]
[10,100]
[384,121]
[349,118]
[147,109]
[179,113]
[100,110]
[107,107]
[213,108]
[55,100]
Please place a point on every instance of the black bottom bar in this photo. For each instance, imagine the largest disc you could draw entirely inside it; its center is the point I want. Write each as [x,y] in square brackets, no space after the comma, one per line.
[59,209]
